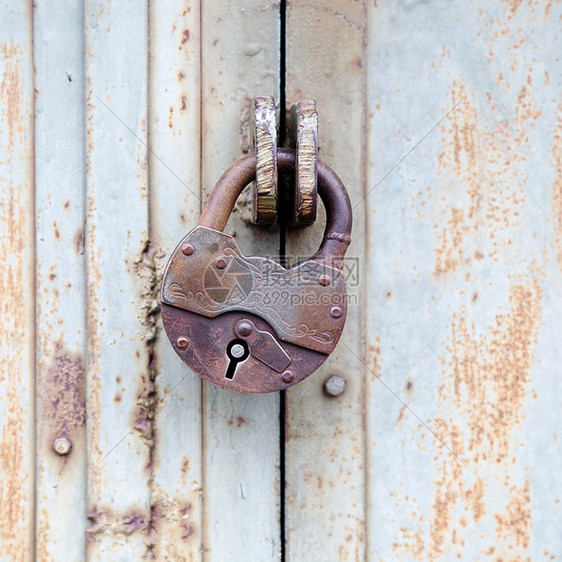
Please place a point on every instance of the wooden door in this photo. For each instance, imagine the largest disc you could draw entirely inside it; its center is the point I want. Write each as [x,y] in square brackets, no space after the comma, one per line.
[444,120]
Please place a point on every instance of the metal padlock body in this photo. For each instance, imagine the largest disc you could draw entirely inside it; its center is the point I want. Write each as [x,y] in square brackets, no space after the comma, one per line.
[289,320]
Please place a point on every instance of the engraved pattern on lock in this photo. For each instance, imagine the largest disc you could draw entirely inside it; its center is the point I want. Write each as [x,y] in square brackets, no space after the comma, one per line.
[218,303]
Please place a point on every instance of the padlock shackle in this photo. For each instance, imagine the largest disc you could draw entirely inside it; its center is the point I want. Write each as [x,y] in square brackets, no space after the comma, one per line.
[337,234]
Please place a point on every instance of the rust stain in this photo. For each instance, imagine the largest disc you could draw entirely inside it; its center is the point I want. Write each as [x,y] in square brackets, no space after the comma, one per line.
[147,268]
[64,404]
[13,485]
[483,175]
[486,380]
[513,5]
[11,92]
[79,242]
[374,354]
[412,546]
[400,415]
[173,521]
[459,157]
[171,118]
[43,533]
[557,186]
[240,421]
[16,316]
[94,275]
[514,525]
[105,522]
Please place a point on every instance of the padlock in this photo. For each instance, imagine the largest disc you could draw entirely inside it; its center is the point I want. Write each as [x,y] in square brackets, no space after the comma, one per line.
[247,324]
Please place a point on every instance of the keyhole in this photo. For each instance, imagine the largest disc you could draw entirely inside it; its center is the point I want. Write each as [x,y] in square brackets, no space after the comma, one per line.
[237,351]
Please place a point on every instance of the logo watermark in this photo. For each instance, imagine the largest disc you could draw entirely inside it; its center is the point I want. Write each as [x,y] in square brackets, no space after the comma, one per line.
[233,278]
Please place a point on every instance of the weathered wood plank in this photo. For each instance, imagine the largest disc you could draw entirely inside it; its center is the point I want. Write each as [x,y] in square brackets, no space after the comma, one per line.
[325,456]
[464,300]
[17,242]
[120,393]
[60,280]
[175,194]
[240,59]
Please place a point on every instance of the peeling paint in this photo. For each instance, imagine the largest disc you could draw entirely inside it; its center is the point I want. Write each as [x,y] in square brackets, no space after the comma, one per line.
[105,522]
[147,268]
[64,408]
[179,521]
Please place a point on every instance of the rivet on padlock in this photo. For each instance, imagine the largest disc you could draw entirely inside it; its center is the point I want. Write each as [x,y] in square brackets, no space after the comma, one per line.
[247,324]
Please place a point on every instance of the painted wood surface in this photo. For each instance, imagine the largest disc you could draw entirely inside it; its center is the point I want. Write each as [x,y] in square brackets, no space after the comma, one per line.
[120,392]
[464,288]
[175,197]
[240,432]
[325,453]
[60,280]
[443,120]
[17,314]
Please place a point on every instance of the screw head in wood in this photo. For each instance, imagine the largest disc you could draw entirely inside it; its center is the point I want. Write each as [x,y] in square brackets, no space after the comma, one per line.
[62,446]
[334,385]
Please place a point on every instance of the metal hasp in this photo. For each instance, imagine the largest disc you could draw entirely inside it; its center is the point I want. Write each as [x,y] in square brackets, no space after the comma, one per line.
[247,324]
[264,142]
[304,134]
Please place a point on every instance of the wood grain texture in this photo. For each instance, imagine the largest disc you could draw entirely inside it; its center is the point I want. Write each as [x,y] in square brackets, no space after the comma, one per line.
[17,244]
[60,280]
[175,194]
[240,60]
[120,392]
[325,455]
[464,288]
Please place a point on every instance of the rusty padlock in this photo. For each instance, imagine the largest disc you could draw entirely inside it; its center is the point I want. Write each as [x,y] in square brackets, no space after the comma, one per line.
[247,324]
